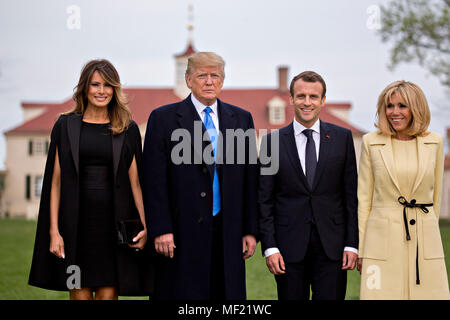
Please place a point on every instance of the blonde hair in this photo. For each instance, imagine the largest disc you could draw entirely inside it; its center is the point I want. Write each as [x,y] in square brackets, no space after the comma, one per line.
[118,111]
[414,99]
[203,59]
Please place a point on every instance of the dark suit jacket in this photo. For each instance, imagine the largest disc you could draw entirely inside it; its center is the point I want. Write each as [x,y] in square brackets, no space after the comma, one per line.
[178,200]
[135,275]
[287,203]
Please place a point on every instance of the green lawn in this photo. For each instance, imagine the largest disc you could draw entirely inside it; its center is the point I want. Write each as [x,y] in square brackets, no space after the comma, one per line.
[16,248]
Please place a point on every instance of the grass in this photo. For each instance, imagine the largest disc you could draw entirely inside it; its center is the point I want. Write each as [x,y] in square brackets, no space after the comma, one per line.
[16,249]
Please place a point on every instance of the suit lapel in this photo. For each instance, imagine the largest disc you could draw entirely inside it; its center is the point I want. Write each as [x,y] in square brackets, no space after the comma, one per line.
[226,121]
[291,147]
[73,132]
[387,154]
[189,119]
[117,143]
[324,151]
[423,157]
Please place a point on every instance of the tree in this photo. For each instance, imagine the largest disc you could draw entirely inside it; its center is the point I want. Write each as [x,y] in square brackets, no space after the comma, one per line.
[420,31]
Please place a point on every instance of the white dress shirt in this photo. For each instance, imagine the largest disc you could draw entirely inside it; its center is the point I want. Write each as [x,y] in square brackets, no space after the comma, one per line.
[200,107]
[300,141]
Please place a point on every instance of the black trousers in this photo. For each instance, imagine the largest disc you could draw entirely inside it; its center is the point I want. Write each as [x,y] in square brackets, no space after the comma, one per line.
[316,273]
[217,280]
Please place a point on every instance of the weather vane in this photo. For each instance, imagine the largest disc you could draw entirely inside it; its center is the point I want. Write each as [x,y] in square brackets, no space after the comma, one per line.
[190,25]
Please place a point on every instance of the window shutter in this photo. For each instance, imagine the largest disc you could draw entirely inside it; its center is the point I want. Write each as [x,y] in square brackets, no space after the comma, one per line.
[30,147]
[28,187]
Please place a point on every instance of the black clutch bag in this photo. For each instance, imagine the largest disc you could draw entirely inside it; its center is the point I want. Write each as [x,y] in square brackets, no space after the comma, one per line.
[128,229]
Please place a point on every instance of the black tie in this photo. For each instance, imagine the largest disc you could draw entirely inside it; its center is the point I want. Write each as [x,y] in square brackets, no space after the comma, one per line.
[310,157]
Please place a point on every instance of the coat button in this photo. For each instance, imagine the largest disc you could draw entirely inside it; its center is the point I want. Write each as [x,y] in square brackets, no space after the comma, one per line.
[205,170]
[412,222]
[200,220]
[203,194]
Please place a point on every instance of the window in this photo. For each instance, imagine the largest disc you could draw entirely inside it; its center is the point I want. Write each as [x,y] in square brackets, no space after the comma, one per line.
[277,115]
[38,186]
[38,146]
[277,111]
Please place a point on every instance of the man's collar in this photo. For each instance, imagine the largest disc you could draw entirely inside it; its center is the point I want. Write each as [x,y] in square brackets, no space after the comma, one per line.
[298,127]
[200,106]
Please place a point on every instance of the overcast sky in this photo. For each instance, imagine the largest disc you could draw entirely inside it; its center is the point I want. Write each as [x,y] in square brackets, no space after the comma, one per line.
[42,50]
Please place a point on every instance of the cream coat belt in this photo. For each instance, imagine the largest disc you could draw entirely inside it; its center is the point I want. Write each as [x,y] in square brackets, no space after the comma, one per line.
[413,204]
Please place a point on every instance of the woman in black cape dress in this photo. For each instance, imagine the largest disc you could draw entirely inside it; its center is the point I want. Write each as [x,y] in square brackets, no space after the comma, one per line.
[100,174]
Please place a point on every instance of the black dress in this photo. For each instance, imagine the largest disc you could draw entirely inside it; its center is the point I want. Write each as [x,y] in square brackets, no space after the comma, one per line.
[96,241]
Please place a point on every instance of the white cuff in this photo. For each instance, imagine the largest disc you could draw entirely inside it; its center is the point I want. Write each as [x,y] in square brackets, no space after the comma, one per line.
[270,252]
[351,249]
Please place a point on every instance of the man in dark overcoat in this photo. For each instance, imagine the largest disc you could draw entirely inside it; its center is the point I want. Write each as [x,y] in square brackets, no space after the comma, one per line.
[200,187]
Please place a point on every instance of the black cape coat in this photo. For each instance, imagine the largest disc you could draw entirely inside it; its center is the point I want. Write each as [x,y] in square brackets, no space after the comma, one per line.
[134,269]
[178,200]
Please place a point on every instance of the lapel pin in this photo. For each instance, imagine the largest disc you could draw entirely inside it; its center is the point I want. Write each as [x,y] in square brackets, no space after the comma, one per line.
[327,136]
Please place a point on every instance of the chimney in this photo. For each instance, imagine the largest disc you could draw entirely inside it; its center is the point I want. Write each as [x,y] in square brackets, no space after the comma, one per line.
[283,78]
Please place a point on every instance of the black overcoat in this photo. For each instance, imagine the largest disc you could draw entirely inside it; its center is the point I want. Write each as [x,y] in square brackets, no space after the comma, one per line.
[178,200]
[134,269]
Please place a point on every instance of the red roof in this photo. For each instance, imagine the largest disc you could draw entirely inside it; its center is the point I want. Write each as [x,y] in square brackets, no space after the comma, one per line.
[189,50]
[339,105]
[45,121]
[144,100]
[256,100]
[32,105]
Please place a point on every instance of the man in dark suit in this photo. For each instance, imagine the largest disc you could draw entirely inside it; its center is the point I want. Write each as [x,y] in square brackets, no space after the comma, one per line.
[308,208]
[200,202]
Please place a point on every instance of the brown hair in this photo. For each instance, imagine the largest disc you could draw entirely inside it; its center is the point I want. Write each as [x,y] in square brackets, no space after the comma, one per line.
[414,99]
[118,111]
[203,59]
[308,76]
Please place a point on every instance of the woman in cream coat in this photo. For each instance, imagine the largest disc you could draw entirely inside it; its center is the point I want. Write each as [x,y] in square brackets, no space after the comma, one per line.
[399,197]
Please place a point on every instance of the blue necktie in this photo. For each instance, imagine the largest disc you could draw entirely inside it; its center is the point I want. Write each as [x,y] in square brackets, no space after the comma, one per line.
[212,132]
[310,157]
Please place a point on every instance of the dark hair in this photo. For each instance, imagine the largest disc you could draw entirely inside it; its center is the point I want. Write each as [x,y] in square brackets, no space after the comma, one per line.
[308,76]
[118,111]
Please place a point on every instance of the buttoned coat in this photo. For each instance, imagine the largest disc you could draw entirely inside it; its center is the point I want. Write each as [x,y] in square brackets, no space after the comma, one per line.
[178,197]
[394,267]
[134,269]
